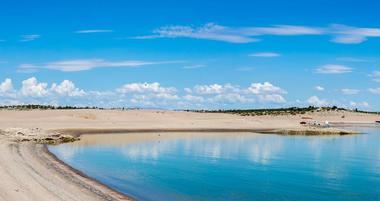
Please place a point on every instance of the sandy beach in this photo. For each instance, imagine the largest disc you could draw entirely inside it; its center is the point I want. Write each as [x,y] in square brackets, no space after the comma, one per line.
[29,172]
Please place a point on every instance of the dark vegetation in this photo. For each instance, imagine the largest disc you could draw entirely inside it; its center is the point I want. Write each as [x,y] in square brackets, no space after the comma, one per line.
[51,107]
[43,107]
[282,111]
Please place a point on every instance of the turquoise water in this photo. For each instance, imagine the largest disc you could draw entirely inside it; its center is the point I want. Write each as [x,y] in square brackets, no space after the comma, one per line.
[244,167]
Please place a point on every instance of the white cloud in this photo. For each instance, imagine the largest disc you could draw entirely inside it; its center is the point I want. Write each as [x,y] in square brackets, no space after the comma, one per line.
[282,30]
[149,94]
[216,32]
[165,96]
[374,90]
[67,88]
[155,95]
[154,99]
[140,95]
[88,64]
[273,98]
[265,54]
[80,65]
[196,66]
[154,87]
[31,87]
[359,104]
[188,90]
[27,68]
[349,39]
[27,38]
[6,86]
[230,98]
[319,88]
[34,92]
[334,69]
[228,93]
[375,75]
[340,33]
[315,101]
[265,88]
[208,89]
[350,91]
[209,31]
[352,35]
[94,31]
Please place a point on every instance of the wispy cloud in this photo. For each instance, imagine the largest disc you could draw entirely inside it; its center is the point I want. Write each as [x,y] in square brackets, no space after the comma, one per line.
[88,64]
[281,30]
[211,31]
[217,32]
[94,31]
[265,54]
[375,75]
[352,35]
[333,69]
[350,91]
[196,66]
[27,38]
[27,68]
[349,39]
[374,90]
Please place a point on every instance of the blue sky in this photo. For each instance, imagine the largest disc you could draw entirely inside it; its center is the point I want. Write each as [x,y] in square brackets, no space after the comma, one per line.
[194,54]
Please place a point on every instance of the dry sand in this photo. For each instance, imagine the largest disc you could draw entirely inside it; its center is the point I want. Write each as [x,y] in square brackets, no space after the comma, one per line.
[29,172]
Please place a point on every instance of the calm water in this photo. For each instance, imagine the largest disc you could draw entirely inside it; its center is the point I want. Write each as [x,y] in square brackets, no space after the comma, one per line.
[242,167]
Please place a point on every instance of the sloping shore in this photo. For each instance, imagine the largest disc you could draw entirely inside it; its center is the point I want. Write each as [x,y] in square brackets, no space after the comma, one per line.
[29,172]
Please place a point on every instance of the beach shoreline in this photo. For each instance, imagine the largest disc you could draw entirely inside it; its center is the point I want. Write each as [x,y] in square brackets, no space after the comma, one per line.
[31,172]
[103,191]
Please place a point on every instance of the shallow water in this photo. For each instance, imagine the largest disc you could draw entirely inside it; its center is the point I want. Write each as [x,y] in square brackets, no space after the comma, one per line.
[204,166]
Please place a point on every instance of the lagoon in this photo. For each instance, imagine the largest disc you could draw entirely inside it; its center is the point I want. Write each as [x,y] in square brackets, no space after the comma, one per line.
[231,166]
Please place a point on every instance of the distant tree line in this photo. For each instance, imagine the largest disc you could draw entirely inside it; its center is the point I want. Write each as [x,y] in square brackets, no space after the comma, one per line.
[280,111]
[51,107]
[44,107]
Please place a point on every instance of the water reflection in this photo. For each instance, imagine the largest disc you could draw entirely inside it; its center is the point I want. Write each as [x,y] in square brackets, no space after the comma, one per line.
[257,148]
[231,166]
[209,145]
